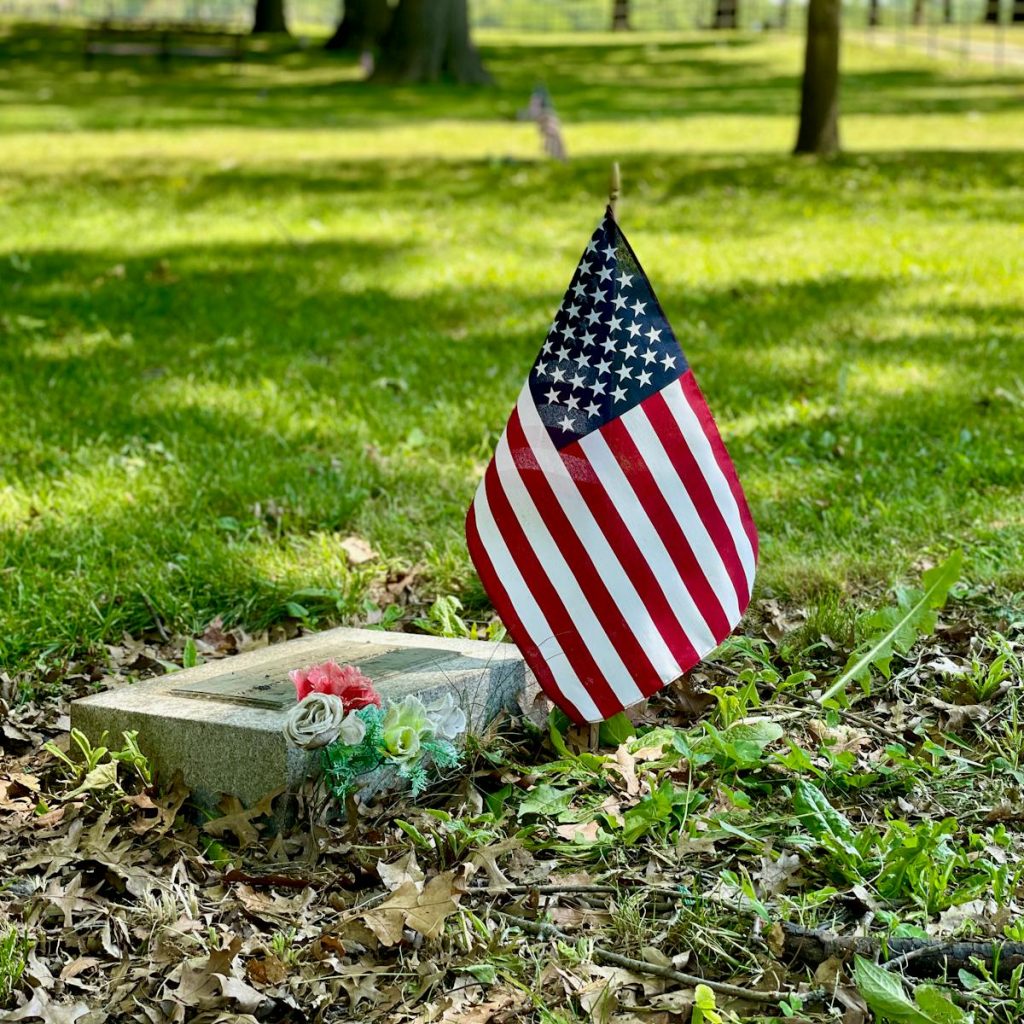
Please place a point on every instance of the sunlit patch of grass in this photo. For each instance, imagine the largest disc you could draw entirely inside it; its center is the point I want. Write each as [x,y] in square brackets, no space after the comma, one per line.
[888,381]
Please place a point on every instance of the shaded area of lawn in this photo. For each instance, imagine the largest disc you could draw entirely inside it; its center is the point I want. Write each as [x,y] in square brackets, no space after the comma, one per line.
[217,367]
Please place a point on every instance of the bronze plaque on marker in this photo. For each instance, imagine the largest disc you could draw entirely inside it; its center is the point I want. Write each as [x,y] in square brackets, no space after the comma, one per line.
[275,691]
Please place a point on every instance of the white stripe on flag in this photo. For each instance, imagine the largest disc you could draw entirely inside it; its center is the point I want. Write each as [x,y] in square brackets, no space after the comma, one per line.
[633,513]
[582,521]
[529,612]
[700,446]
[665,475]
[563,579]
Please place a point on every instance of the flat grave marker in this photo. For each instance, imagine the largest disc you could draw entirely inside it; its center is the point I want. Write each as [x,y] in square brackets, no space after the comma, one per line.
[220,723]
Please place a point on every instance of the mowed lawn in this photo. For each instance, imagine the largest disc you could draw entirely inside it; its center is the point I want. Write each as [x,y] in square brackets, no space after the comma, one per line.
[247,312]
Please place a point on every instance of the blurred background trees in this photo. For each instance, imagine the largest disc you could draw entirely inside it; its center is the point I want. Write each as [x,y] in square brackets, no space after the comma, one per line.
[416,40]
[427,41]
[268,16]
[361,25]
[818,131]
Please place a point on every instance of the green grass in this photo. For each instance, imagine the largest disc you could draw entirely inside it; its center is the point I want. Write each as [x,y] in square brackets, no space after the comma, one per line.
[246,312]
[15,947]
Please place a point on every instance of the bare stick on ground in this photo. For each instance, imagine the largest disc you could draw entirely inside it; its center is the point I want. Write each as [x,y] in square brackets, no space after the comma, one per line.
[917,957]
[606,956]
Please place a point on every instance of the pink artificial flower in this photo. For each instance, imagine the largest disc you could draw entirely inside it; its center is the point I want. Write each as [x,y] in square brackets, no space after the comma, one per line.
[344,681]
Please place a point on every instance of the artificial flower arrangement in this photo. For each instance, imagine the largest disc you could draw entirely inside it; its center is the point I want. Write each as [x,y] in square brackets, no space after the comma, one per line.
[341,714]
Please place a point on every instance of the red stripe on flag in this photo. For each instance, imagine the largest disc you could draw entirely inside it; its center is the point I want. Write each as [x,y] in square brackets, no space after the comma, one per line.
[602,603]
[692,393]
[631,558]
[678,451]
[506,611]
[636,470]
[546,596]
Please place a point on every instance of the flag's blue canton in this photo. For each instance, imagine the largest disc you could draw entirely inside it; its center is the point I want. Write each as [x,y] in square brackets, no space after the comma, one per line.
[609,347]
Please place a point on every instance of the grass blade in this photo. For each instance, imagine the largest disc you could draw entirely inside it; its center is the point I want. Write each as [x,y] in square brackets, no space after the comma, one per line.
[937,584]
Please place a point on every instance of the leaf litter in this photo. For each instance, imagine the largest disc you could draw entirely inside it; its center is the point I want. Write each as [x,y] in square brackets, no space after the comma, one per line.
[663,876]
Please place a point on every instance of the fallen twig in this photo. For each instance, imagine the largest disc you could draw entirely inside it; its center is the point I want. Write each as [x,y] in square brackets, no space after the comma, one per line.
[808,706]
[157,620]
[546,890]
[550,931]
[922,958]
[276,881]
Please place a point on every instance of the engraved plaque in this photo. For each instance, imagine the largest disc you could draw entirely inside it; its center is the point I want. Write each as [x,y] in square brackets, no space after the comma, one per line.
[271,688]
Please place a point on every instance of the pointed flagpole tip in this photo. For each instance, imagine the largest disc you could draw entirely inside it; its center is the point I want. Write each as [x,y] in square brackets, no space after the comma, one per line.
[614,187]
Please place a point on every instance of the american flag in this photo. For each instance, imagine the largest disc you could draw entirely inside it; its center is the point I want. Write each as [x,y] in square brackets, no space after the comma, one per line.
[610,530]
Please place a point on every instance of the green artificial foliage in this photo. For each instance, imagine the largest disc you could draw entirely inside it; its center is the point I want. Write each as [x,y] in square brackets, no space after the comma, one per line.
[343,764]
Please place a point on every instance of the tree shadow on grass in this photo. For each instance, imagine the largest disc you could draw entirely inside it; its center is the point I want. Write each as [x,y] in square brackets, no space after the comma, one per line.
[229,316]
[239,327]
[994,315]
[346,408]
[238,314]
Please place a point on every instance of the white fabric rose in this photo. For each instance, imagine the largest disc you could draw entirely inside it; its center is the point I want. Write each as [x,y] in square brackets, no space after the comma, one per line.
[315,722]
[353,729]
[447,718]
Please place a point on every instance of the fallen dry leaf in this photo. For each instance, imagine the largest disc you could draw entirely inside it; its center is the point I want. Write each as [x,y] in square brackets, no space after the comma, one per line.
[692,702]
[403,870]
[855,1009]
[582,831]
[422,910]
[624,763]
[238,820]
[51,1013]
[274,909]
[215,641]
[78,966]
[209,982]
[829,973]
[775,876]
[504,1007]
[360,983]
[958,715]
[357,550]
[487,858]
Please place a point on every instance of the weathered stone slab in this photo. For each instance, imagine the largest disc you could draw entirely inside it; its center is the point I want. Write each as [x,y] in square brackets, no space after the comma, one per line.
[220,723]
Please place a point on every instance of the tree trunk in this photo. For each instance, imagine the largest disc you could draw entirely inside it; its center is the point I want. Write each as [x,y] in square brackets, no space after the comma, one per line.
[620,15]
[784,14]
[917,16]
[992,12]
[1018,12]
[874,14]
[362,24]
[428,41]
[947,12]
[268,16]
[727,14]
[819,96]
